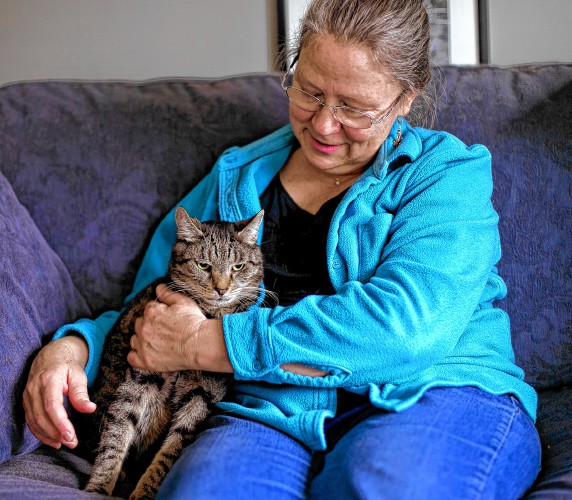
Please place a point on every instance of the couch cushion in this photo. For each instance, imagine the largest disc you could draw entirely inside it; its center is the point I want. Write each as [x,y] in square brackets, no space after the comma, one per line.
[554,425]
[47,473]
[98,164]
[38,296]
[524,116]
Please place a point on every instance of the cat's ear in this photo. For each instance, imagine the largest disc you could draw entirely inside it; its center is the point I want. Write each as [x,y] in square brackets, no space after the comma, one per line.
[250,227]
[188,228]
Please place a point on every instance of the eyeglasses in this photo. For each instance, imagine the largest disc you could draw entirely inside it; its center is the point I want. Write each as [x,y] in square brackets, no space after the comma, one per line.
[347,116]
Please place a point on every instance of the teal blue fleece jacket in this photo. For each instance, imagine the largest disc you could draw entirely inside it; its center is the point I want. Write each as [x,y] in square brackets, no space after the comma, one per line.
[411,252]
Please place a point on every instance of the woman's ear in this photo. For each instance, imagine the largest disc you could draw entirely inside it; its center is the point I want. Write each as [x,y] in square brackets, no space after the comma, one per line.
[404,106]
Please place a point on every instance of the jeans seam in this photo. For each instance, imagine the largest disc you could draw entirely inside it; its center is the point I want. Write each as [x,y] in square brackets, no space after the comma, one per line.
[498,450]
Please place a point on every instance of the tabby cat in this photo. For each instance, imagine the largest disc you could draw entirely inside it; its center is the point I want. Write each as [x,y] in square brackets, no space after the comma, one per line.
[220,266]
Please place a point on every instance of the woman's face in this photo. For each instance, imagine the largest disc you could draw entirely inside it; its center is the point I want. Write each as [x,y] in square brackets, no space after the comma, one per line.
[341,75]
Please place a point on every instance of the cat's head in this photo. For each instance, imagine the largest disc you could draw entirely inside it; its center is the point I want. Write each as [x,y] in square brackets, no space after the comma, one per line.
[218,264]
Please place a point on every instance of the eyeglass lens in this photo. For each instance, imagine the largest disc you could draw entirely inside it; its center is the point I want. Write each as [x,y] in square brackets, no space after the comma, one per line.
[346,116]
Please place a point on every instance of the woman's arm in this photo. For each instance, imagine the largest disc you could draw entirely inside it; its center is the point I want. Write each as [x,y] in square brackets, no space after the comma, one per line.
[174,334]
[437,262]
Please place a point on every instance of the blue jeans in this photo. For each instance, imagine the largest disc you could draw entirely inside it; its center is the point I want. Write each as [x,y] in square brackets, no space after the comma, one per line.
[455,443]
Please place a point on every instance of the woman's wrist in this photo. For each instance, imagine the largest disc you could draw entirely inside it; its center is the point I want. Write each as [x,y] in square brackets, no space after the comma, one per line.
[74,348]
[211,352]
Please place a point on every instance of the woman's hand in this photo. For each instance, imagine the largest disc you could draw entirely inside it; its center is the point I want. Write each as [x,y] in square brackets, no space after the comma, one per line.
[174,334]
[57,371]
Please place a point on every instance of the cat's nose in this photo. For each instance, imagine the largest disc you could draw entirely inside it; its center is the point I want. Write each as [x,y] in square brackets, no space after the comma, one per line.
[221,291]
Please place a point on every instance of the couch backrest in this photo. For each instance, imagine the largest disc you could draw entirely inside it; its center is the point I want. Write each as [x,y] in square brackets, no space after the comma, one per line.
[98,164]
[68,148]
[524,116]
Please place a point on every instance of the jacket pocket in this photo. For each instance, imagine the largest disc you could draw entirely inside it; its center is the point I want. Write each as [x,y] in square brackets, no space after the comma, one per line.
[373,236]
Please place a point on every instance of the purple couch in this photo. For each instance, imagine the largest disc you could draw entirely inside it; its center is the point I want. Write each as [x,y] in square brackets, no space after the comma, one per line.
[87,170]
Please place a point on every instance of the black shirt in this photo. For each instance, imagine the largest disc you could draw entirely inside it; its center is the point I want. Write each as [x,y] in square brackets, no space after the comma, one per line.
[294,245]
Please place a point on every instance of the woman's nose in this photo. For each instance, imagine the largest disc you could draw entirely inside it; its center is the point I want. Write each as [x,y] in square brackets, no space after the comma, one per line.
[325,121]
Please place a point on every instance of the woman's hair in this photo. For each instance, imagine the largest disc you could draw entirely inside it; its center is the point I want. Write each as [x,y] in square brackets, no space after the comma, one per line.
[396,32]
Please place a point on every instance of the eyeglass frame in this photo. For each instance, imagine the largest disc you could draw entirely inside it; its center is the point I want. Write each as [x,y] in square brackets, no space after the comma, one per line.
[335,108]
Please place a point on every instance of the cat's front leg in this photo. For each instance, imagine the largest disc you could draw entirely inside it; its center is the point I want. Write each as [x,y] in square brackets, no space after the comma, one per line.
[115,442]
[178,436]
[121,430]
[194,404]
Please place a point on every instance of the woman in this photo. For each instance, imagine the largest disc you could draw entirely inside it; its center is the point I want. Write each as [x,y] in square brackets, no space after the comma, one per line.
[385,370]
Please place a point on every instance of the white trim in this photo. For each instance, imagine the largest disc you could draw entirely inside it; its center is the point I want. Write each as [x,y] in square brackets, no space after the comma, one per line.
[293,12]
[463,32]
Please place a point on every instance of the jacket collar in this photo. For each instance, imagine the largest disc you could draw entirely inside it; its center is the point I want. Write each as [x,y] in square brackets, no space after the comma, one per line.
[389,157]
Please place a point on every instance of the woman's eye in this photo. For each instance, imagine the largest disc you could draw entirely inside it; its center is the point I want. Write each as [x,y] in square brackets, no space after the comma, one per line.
[237,267]
[203,266]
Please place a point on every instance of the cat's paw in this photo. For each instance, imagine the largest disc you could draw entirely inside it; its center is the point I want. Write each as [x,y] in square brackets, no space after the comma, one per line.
[143,494]
[98,488]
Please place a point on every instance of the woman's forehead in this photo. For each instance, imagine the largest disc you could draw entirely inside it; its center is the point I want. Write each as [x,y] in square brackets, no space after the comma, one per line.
[344,69]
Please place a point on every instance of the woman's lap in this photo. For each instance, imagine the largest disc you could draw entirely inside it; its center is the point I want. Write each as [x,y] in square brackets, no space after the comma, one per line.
[237,458]
[454,443]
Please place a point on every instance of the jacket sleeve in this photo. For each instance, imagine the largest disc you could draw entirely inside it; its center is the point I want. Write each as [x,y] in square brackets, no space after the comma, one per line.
[201,203]
[440,253]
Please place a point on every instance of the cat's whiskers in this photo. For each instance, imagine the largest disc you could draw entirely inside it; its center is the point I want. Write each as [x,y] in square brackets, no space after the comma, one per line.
[188,289]
[253,292]
[171,290]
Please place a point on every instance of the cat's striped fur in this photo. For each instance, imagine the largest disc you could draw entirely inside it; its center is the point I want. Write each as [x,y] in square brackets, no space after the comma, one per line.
[220,266]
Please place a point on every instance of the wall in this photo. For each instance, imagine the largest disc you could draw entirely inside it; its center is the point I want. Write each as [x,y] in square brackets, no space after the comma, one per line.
[134,39]
[529,31]
[140,39]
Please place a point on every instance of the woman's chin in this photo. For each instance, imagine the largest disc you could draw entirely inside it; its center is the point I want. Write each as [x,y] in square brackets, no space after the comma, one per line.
[319,160]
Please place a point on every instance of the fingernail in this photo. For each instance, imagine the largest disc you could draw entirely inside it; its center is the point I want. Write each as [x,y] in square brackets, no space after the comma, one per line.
[68,436]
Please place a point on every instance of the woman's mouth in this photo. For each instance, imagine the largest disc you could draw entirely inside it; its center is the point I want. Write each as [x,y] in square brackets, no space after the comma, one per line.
[323,148]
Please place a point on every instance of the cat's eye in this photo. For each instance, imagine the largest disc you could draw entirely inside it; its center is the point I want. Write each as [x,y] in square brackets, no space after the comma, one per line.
[238,267]
[203,266]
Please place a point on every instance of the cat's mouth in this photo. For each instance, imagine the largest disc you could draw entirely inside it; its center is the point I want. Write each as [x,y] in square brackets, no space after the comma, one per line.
[219,300]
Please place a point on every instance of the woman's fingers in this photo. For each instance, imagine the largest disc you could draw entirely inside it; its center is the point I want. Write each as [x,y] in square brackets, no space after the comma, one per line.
[44,408]
[56,372]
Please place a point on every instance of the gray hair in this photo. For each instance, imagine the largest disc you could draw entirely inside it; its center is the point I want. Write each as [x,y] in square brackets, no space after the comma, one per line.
[396,32]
